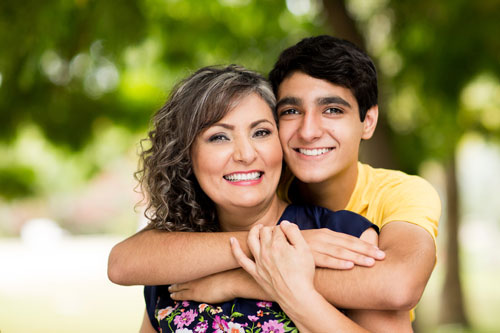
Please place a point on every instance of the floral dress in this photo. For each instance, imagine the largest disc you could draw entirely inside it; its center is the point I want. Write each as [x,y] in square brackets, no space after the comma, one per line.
[189,317]
[244,315]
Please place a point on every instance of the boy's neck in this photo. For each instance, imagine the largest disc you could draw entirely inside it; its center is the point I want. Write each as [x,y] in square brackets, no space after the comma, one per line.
[334,193]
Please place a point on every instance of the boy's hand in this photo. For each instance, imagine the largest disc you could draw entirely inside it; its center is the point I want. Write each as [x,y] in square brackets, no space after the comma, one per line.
[218,288]
[336,250]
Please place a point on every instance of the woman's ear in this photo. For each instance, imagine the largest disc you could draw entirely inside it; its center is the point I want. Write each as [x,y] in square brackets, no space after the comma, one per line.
[370,122]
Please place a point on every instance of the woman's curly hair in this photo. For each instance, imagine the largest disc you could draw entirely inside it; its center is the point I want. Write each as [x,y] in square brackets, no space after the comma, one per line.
[175,199]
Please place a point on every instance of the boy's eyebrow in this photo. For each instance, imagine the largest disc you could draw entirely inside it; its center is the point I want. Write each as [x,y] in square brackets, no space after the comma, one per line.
[332,100]
[319,101]
[289,101]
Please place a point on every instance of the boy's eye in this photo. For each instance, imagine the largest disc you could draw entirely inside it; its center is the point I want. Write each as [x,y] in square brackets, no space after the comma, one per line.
[288,111]
[262,132]
[218,137]
[334,111]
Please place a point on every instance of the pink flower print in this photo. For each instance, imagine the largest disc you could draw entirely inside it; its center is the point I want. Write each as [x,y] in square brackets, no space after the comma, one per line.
[185,318]
[264,304]
[253,318]
[220,325]
[185,304]
[273,326]
[201,327]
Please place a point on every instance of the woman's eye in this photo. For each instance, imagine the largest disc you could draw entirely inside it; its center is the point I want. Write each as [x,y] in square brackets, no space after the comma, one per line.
[288,112]
[334,111]
[262,132]
[218,138]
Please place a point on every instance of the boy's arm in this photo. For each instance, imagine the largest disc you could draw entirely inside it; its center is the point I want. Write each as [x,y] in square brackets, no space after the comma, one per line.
[157,257]
[154,257]
[146,326]
[396,283]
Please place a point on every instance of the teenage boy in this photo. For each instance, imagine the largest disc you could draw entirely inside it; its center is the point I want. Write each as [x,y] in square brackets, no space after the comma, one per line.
[327,103]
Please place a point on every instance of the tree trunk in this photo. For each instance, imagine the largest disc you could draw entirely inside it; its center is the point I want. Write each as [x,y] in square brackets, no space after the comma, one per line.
[377,151]
[452,307]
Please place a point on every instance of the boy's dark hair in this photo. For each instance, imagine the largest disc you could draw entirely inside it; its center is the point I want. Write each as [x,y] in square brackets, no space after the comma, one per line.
[335,60]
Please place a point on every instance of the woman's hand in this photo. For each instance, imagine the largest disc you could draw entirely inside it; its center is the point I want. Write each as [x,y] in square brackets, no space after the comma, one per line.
[284,265]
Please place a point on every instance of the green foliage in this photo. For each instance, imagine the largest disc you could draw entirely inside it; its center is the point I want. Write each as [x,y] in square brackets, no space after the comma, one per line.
[68,66]
[444,47]
[70,63]
[16,181]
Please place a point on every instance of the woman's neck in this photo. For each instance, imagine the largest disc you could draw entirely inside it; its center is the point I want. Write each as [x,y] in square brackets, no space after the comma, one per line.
[243,219]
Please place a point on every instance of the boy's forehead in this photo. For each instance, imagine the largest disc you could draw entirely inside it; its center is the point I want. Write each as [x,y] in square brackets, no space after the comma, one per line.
[300,85]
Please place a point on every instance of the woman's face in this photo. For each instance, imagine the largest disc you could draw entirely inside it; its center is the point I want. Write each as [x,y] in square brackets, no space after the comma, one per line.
[237,161]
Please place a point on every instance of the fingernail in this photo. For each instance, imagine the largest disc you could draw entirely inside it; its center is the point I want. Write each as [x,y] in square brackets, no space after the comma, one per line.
[231,240]
[369,261]
[380,254]
[285,222]
[348,264]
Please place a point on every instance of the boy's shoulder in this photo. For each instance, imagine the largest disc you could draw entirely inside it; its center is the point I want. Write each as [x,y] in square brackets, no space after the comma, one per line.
[382,186]
[371,177]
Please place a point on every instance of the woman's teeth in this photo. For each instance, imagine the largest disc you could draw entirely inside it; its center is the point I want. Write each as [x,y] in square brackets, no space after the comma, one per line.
[236,177]
[314,152]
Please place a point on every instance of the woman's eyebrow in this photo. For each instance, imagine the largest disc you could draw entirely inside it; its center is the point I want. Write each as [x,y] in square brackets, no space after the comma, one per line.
[232,127]
[288,101]
[258,122]
[332,100]
[223,125]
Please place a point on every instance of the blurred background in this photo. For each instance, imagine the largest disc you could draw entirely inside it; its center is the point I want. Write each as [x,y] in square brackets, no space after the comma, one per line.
[79,80]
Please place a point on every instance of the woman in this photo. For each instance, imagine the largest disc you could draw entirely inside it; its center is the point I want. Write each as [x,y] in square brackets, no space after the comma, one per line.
[214,165]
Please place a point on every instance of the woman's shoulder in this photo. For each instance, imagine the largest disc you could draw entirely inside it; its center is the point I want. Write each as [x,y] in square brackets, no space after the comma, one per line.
[317,217]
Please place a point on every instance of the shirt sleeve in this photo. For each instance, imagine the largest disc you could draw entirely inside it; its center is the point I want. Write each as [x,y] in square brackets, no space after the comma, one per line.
[414,201]
[346,222]
[150,296]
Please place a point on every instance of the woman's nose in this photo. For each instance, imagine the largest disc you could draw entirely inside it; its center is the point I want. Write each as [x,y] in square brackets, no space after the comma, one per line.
[244,151]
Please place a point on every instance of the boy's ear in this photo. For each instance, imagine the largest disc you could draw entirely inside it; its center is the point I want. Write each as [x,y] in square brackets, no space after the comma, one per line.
[370,122]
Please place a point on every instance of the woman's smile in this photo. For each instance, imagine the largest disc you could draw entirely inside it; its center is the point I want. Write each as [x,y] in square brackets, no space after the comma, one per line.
[244,178]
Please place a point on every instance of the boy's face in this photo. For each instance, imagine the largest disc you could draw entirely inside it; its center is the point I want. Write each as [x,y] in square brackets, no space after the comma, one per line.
[320,128]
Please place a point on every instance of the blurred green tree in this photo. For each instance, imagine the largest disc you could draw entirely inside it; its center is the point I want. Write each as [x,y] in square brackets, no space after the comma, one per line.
[69,66]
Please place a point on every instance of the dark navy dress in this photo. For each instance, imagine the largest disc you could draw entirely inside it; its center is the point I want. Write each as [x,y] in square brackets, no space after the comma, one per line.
[245,315]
